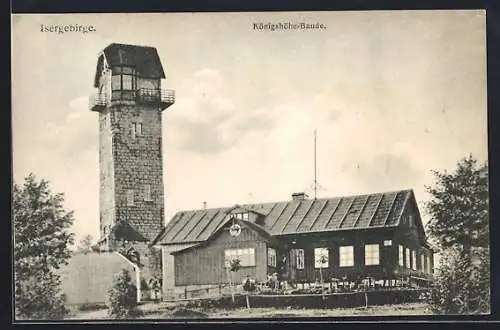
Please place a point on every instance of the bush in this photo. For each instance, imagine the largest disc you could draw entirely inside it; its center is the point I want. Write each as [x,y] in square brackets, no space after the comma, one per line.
[39,297]
[461,287]
[122,297]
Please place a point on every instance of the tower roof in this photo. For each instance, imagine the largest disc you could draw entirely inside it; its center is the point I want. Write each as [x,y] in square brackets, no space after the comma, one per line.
[144,59]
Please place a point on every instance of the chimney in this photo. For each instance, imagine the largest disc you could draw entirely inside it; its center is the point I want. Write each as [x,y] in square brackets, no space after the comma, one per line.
[204,205]
[299,196]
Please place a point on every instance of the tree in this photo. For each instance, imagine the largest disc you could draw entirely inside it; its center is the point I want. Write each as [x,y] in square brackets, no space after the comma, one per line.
[85,245]
[41,246]
[459,225]
[122,299]
[459,207]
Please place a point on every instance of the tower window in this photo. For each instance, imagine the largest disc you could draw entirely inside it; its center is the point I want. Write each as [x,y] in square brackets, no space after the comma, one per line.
[130,197]
[123,78]
[414,260]
[136,129]
[123,83]
[147,193]
[408,264]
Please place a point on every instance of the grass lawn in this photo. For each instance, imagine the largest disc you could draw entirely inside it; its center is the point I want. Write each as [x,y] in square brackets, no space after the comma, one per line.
[170,311]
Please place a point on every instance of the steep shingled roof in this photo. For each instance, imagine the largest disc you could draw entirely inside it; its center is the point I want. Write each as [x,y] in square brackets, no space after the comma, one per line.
[261,231]
[145,59]
[295,216]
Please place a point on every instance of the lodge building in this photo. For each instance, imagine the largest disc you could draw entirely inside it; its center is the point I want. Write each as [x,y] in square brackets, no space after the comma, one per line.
[303,240]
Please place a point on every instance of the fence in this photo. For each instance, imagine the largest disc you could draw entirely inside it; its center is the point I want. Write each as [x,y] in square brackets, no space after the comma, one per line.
[206,292]
[313,301]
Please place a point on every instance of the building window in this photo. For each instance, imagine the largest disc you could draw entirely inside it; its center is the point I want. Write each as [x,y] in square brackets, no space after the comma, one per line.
[372,254]
[346,254]
[401,257]
[388,242]
[239,216]
[321,258]
[130,197]
[429,264]
[123,78]
[299,258]
[271,257]
[411,220]
[414,260]
[246,256]
[408,264]
[147,193]
[136,129]
[422,263]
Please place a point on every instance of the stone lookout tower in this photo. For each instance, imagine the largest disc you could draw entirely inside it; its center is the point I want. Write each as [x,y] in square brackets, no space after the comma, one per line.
[130,101]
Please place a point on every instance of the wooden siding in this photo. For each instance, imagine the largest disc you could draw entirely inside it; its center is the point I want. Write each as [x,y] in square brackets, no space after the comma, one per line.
[168,268]
[332,241]
[205,264]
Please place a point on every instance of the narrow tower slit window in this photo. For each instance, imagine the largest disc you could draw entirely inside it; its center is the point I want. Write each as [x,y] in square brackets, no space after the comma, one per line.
[408,264]
[130,197]
[147,193]
[136,129]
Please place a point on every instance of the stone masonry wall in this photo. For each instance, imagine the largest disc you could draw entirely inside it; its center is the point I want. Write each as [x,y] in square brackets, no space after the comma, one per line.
[106,193]
[137,161]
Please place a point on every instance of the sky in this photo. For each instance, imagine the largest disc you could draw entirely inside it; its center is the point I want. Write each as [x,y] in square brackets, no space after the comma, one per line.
[392,95]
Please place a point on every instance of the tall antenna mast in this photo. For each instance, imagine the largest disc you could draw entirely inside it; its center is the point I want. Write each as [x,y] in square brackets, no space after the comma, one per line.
[315,186]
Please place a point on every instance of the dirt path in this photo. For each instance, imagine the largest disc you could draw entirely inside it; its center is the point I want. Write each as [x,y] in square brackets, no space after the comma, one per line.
[161,311]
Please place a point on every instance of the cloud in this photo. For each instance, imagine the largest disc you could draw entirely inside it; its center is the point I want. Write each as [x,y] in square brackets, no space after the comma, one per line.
[206,119]
[387,172]
[73,137]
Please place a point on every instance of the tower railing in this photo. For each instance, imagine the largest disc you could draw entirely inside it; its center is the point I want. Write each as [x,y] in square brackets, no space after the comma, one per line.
[162,97]
[97,101]
[157,97]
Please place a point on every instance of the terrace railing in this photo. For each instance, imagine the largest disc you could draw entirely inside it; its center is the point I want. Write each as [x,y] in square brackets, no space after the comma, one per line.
[156,97]
[97,102]
[163,98]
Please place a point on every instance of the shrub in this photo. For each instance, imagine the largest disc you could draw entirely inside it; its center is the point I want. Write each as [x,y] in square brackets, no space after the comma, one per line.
[122,297]
[461,287]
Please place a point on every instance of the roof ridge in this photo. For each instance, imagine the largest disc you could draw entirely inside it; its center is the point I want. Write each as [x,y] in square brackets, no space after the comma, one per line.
[247,205]
[129,45]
